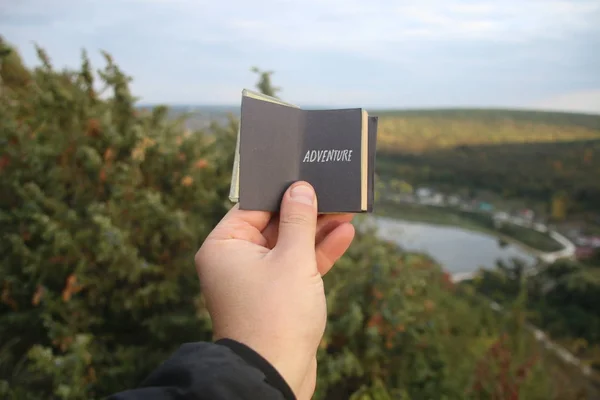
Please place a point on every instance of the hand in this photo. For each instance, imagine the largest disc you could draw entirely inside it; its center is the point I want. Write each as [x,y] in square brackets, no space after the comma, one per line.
[261,279]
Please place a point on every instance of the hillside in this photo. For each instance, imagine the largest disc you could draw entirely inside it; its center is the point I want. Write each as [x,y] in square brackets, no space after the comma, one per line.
[427,130]
[515,154]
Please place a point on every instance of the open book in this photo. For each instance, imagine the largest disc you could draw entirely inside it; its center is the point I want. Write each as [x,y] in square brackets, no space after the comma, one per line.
[279,143]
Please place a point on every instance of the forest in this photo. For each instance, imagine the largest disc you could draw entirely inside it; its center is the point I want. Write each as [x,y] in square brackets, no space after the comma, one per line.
[534,171]
[102,208]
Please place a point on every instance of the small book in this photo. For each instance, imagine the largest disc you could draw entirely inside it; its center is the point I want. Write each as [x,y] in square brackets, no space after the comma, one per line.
[279,143]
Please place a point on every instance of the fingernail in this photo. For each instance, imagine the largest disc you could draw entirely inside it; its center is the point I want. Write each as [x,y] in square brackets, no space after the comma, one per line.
[303,194]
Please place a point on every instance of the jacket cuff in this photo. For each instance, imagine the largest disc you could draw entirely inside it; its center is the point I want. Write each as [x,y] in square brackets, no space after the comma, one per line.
[256,360]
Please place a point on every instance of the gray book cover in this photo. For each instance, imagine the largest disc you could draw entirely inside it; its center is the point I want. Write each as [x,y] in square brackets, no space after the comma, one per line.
[279,144]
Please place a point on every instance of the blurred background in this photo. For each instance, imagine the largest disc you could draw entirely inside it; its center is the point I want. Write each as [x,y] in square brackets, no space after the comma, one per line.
[477,277]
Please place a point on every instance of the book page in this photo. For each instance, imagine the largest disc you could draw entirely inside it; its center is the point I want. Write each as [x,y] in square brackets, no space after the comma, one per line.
[270,135]
[234,189]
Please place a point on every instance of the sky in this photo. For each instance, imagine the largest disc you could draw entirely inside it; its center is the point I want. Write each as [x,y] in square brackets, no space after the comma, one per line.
[541,54]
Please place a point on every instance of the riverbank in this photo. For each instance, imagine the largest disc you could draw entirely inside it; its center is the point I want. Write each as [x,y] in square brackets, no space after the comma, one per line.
[547,246]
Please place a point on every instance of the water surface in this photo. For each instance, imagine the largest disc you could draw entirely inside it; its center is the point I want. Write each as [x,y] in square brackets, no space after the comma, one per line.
[456,249]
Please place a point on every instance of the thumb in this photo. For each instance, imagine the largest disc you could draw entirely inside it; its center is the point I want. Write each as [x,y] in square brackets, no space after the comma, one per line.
[298,219]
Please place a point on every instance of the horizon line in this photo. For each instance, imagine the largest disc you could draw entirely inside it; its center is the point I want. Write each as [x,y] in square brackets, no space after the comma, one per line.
[391,108]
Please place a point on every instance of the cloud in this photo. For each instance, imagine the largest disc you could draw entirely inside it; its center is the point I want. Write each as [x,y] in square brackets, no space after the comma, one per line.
[587,101]
[425,52]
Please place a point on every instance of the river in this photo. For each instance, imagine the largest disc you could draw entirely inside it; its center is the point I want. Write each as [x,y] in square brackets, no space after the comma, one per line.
[457,250]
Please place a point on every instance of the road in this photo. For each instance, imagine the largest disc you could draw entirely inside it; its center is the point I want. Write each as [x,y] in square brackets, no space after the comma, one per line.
[568,250]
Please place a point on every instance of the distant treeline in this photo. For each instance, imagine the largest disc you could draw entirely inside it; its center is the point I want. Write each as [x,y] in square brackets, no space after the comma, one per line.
[564,119]
[537,171]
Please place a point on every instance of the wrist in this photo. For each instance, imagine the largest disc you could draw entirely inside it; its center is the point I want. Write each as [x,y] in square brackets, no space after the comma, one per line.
[284,370]
[293,368]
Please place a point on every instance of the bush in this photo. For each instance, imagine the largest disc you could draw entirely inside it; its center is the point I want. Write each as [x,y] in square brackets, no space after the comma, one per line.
[102,209]
[561,298]
[101,213]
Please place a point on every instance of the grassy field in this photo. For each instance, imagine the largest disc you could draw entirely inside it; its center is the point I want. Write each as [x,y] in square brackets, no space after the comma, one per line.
[420,131]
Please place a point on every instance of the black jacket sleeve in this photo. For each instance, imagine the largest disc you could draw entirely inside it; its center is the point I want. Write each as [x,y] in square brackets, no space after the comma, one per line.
[225,370]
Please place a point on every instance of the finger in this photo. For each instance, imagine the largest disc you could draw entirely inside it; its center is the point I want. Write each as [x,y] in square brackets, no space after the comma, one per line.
[333,246]
[298,220]
[325,224]
[242,224]
[270,232]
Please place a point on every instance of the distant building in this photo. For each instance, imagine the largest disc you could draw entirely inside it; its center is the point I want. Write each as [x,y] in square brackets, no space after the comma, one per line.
[527,215]
[424,192]
[453,200]
[484,206]
[592,242]
[501,216]
[436,199]
[581,253]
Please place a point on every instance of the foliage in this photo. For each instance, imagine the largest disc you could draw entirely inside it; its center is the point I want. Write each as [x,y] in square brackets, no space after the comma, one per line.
[404,337]
[264,83]
[561,298]
[14,74]
[102,208]
[101,213]
[400,329]
[534,171]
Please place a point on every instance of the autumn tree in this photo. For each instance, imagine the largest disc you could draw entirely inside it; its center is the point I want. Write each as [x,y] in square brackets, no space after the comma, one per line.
[559,206]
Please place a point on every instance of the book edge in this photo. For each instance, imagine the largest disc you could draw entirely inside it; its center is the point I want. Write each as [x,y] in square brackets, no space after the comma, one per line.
[372,162]
[364,170]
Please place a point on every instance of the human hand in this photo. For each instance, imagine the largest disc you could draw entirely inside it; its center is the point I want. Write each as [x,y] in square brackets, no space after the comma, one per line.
[261,278]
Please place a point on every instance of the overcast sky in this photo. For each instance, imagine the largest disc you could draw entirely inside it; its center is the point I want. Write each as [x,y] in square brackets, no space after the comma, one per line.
[390,53]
